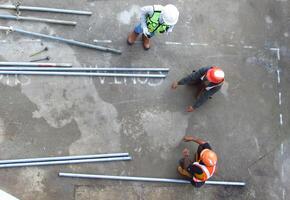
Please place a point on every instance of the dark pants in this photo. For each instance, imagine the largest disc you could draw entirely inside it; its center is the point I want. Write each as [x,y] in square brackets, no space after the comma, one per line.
[184,164]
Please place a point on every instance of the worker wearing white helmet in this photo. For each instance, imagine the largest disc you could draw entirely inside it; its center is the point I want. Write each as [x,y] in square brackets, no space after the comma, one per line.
[154,20]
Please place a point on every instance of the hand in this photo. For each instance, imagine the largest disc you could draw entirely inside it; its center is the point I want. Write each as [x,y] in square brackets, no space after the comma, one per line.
[146,31]
[190,109]
[188,138]
[174,85]
[185,152]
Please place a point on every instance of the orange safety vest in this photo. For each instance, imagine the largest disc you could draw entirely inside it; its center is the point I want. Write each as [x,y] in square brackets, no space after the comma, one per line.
[207,172]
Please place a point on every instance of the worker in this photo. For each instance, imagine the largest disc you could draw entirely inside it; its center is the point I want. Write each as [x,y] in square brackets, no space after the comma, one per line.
[155,19]
[208,79]
[202,166]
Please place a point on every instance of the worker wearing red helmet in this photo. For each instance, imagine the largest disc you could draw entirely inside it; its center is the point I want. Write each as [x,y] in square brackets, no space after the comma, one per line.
[209,79]
[202,166]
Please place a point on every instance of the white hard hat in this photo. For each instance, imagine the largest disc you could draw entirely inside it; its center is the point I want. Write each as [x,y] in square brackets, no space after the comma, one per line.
[170,14]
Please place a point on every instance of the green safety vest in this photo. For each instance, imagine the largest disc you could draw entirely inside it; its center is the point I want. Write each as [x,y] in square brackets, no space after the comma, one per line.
[153,24]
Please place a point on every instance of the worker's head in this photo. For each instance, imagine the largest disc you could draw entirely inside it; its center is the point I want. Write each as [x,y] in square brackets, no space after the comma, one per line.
[170,15]
[208,157]
[215,75]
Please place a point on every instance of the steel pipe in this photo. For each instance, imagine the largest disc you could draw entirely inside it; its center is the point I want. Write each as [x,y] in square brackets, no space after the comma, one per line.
[52,21]
[28,160]
[83,69]
[52,73]
[62,162]
[29,64]
[146,179]
[72,42]
[43,9]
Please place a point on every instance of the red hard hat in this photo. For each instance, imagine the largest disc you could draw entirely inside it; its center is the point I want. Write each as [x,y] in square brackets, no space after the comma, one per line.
[208,157]
[215,75]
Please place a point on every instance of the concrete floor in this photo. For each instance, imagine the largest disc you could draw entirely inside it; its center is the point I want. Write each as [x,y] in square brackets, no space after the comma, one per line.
[49,116]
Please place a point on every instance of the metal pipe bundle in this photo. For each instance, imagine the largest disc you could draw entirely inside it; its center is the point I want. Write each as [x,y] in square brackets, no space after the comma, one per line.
[64,158]
[83,69]
[72,42]
[158,180]
[29,64]
[62,162]
[30,162]
[53,21]
[55,73]
[43,9]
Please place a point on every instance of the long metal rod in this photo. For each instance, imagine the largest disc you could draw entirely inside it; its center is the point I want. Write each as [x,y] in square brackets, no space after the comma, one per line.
[82,74]
[29,64]
[72,42]
[27,160]
[43,9]
[83,69]
[146,179]
[62,162]
[52,21]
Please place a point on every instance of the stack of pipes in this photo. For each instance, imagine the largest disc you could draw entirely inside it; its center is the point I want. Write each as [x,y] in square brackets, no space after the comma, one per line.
[31,162]
[23,68]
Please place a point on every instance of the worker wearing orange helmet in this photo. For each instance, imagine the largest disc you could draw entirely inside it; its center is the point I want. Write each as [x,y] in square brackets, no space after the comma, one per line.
[209,80]
[202,166]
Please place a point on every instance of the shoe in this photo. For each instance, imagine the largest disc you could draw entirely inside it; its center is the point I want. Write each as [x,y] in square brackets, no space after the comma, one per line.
[146,42]
[132,38]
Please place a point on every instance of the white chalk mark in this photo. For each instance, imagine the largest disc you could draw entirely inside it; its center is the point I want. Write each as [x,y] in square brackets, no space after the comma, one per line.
[173,43]
[6,196]
[198,44]
[230,45]
[257,144]
[103,41]
[282,148]
[3,41]
[280,98]
[248,47]
[281,119]
[277,51]
[278,76]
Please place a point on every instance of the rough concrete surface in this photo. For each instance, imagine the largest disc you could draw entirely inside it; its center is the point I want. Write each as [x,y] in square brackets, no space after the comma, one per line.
[246,123]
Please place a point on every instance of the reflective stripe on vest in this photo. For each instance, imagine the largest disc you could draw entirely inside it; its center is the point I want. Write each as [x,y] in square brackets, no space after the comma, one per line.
[153,23]
[205,171]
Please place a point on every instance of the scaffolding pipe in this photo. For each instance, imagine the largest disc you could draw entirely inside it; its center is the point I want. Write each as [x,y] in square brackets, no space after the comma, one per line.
[72,42]
[43,9]
[28,160]
[35,19]
[146,179]
[63,162]
[83,69]
[29,64]
[48,73]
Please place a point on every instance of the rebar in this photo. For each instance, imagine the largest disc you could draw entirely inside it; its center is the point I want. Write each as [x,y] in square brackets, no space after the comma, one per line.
[29,64]
[62,162]
[146,179]
[72,42]
[83,69]
[52,21]
[52,73]
[43,9]
[28,160]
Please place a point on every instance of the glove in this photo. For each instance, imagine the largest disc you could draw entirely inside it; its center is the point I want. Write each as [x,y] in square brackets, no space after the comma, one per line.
[146,31]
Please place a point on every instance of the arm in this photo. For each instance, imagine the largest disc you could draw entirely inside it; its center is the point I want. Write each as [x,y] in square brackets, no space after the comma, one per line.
[145,11]
[193,139]
[194,76]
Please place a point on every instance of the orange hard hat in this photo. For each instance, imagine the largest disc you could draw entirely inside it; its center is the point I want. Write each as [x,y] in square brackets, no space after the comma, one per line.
[215,75]
[208,157]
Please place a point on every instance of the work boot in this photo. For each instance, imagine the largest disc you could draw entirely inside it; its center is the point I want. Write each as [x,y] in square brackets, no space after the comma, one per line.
[146,42]
[132,38]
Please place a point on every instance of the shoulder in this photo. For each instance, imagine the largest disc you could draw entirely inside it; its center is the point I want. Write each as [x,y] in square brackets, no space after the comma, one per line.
[205,146]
